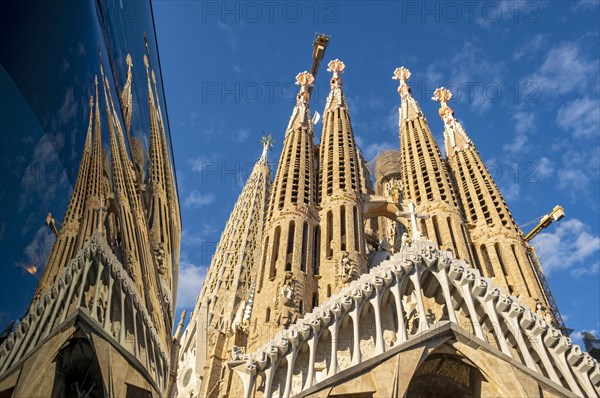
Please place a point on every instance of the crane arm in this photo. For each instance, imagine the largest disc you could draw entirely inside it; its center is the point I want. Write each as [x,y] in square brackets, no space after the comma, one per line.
[319,46]
[556,214]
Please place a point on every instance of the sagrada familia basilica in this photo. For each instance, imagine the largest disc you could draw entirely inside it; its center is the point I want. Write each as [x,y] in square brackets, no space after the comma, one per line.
[416,284]
[410,280]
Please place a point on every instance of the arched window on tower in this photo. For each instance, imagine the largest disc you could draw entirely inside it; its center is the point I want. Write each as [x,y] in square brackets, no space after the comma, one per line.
[343,228]
[329,253]
[275,253]
[290,247]
[355,225]
[304,248]
[316,250]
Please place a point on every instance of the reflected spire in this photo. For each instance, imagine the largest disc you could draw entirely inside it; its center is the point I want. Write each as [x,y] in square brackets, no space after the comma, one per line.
[126,96]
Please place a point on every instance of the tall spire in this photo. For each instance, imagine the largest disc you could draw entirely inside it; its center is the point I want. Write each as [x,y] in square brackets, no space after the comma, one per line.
[64,247]
[425,178]
[409,108]
[230,277]
[497,240]
[160,212]
[164,221]
[172,198]
[94,212]
[286,268]
[340,194]
[126,96]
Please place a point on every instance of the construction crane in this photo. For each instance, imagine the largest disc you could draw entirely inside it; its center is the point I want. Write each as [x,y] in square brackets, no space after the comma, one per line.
[555,215]
[319,46]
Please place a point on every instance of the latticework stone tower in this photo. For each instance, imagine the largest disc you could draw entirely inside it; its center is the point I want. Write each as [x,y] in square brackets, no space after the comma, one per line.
[497,240]
[342,245]
[425,179]
[222,312]
[286,283]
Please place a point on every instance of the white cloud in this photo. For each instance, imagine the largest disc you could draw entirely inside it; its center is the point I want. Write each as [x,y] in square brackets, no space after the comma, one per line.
[530,47]
[196,200]
[571,246]
[580,169]
[207,234]
[518,145]
[580,117]
[471,76]
[524,122]
[585,5]
[545,167]
[241,135]
[564,70]
[512,193]
[45,174]
[372,150]
[232,40]
[203,163]
[191,277]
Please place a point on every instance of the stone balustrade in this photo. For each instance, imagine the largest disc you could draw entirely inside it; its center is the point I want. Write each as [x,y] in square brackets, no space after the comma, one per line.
[96,286]
[370,316]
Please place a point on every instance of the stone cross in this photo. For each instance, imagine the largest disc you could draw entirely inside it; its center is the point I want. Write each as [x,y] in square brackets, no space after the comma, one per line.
[413,215]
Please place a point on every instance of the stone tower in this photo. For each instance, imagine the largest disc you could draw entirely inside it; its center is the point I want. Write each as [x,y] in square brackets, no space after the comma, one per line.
[100,321]
[498,242]
[342,245]
[286,281]
[425,178]
[222,312]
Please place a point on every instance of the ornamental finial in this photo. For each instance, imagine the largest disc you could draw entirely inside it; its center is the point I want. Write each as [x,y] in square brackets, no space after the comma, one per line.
[267,143]
[304,80]
[336,66]
[91,102]
[402,74]
[128,60]
[443,96]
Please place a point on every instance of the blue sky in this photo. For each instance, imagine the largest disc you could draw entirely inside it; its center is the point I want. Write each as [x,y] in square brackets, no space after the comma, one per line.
[525,77]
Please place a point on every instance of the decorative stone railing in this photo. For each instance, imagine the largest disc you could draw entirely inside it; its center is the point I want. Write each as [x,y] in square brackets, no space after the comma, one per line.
[393,291]
[96,286]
